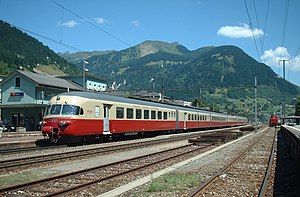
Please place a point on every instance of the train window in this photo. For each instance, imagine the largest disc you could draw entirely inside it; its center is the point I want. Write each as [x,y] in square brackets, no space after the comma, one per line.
[47,110]
[70,110]
[129,113]
[81,111]
[146,114]
[138,114]
[97,111]
[189,117]
[159,115]
[55,109]
[120,112]
[153,114]
[165,115]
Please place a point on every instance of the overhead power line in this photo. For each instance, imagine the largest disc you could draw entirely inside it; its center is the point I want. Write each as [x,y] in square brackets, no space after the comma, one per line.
[285,17]
[50,39]
[265,26]
[251,27]
[260,40]
[101,29]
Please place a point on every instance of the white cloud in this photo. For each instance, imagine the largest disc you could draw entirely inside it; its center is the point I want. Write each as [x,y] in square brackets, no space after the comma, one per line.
[271,58]
[69,23]
[101,20]
[135,23]
[243,31]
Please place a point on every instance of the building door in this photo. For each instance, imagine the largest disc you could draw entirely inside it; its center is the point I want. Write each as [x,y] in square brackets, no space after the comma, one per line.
[106,125]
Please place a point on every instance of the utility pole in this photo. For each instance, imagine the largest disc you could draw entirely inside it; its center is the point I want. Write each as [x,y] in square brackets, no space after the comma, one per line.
[83,75]
[255,92]
[162,89]
[283,107]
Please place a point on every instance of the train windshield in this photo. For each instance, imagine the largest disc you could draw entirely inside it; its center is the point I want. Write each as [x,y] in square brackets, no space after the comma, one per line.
[55,109]
[70,110]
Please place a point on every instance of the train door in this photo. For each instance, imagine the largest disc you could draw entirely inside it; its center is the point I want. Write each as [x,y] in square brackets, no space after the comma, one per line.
[184,120]
[106,119]
[177,120]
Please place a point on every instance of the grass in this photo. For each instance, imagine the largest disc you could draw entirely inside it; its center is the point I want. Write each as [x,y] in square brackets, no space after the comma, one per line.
[173,182]
[19,178]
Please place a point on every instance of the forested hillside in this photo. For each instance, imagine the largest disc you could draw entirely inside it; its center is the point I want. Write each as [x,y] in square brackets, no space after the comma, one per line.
[222,78]
[18,49]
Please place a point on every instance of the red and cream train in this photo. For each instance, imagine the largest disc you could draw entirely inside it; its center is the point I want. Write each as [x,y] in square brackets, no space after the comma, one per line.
[89,114]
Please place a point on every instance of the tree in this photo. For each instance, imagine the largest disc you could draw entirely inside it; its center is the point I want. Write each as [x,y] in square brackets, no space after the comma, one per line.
[297,111]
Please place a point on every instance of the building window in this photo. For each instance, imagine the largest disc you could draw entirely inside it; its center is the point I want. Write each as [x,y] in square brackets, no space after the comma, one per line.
[120,112]
[18,82]
[138,114]
[129,113]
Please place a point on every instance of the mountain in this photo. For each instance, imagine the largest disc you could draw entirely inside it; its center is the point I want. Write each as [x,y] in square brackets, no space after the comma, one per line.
[18,49]
[78,57]
[224,75]
[223,66]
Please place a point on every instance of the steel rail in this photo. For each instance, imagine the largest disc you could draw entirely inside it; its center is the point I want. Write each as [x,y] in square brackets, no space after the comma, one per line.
[76,173]
[264,185]
[202,186]
[16,163]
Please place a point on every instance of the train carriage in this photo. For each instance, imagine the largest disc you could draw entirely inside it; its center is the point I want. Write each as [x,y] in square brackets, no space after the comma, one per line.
[86,114]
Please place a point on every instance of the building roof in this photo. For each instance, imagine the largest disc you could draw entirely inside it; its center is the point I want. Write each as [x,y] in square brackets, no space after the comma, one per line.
[88,76]
[47,80]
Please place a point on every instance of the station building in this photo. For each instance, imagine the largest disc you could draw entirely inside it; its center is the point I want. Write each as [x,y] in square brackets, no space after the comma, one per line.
[92,83]
[25,95]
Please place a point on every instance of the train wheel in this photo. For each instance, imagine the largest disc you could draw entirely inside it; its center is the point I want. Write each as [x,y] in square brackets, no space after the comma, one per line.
[53,137]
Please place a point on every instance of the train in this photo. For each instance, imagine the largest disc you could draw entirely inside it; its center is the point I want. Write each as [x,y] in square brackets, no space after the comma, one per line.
[274,120]
[87,115]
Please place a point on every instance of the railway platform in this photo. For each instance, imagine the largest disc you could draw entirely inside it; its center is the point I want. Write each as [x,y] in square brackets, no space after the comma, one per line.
[20,139]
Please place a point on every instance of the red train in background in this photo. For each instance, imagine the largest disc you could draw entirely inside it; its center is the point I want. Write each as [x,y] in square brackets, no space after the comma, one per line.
[88,115]
[274,120]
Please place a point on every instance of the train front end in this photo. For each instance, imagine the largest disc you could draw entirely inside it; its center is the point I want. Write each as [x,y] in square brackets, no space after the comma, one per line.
[62,118]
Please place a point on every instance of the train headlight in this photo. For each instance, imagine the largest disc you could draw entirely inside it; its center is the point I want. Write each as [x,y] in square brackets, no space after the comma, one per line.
[64,123]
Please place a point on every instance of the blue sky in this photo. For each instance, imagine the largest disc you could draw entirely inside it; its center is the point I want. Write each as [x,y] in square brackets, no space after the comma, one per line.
[192,23]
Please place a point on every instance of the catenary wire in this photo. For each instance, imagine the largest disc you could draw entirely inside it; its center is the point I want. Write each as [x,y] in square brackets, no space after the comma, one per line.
[265,26]
[245,3]
[101,29]
[256,16]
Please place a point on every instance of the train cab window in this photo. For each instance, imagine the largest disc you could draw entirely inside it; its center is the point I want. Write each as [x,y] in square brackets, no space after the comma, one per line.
[159,115]
[146,114]
[70,110]
[55,109]
[153,114]
[165,115]
[138,114]
[81,111]
[47,110]
[120,112]
[129,113]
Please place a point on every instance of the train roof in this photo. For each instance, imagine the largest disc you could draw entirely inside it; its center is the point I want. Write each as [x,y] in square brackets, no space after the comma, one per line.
[107,97]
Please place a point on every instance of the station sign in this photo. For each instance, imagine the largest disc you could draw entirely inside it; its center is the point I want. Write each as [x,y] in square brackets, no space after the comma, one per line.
[17,94]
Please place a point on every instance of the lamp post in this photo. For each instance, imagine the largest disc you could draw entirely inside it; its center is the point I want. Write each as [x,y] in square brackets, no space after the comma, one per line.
[83,75]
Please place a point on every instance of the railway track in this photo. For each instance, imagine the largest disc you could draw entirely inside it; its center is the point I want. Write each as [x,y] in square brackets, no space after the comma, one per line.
[15,164]
[105,177]
[247,174]
[7,151]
